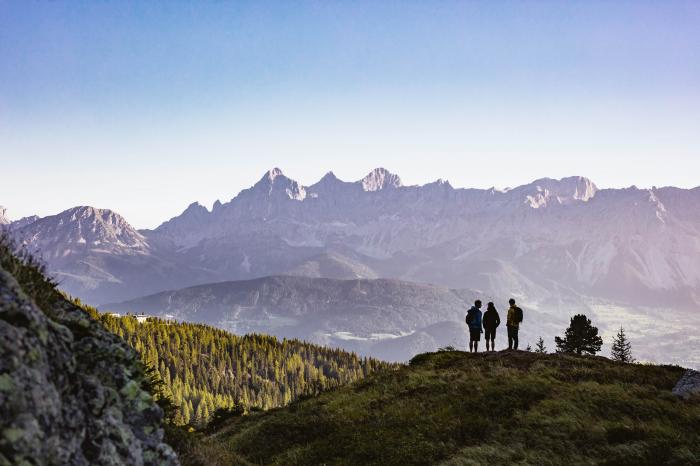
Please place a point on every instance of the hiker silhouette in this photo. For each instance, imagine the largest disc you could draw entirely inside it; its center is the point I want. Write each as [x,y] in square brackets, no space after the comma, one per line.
[491,321]
[474,322]
[515,317]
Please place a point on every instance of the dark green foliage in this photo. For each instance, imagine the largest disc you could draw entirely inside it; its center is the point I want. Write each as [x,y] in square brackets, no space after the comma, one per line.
[580,338]
[204,369]
[539,347]
[458,409]
[621,348]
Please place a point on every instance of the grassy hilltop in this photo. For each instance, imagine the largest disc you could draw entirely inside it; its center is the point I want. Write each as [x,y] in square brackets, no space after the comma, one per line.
[454,408]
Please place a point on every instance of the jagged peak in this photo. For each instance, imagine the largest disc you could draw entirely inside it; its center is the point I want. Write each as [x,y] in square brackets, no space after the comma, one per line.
[3,216]
[272,177]
[440,182]
[330,176]
[101,215]
[380,178]
[195,207]
[329,179]
[275,181]
[272,174]
[562,191]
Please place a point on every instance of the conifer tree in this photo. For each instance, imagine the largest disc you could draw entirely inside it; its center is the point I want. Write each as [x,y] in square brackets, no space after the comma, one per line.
[621,348]
[580,338]
[539,346]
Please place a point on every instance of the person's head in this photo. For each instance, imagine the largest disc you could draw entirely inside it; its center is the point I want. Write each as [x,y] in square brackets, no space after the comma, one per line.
[511,302]
[490,307]
[477,303]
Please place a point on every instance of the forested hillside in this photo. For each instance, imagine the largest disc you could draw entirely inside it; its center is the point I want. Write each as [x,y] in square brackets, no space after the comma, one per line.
[204,368]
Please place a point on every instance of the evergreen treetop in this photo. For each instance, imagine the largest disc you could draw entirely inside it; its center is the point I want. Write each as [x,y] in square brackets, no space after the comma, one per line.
[621,348]
[539,346]
[580,338]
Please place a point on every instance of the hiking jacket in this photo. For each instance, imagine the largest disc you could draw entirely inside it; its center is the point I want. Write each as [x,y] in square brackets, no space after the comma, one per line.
[491,319]
[512,320]
[476,318]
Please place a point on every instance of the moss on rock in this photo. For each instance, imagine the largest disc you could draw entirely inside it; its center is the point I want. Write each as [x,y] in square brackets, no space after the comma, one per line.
[71,393]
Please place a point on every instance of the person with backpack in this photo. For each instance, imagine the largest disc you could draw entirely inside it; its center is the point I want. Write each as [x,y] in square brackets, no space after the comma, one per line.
[515,317]
[491,321]
[474,323]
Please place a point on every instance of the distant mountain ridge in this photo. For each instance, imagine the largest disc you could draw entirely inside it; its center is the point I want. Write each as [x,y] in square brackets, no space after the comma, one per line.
[387,318]
[560,246]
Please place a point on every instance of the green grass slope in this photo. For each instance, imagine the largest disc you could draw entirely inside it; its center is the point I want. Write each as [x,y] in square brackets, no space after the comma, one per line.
[454,408]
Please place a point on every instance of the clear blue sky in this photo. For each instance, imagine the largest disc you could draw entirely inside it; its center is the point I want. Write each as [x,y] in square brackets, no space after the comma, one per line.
[145,106]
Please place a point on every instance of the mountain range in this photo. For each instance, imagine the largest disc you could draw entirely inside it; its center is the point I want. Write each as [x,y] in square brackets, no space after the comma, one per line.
[624,256]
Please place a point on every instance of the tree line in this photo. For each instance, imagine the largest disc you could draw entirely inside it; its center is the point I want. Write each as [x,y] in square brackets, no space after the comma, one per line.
[581,337]
[204,369]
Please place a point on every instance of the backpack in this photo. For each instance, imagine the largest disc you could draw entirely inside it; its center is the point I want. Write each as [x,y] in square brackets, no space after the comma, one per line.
[470,316]
[518,314]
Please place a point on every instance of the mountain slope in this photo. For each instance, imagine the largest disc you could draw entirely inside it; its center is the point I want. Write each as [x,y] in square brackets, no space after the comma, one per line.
[358,315]
[95,254]
[453,408]
[332,265]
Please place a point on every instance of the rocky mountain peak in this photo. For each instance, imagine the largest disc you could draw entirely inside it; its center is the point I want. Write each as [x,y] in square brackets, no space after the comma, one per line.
[380,178]
[271,175]
[195,208]
[547,191]
[329,177]
[3,216]
[275,183]
[83,227]
[194,216]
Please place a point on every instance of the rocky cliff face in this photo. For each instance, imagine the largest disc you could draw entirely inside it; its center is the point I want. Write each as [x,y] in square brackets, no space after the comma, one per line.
[3,216]
[71,393]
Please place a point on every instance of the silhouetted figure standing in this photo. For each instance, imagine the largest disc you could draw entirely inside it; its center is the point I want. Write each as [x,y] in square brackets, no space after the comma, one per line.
[515,316]
[491,321]
[474,323]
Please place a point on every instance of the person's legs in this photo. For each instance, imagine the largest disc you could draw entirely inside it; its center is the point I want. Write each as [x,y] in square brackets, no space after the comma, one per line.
[515,338]
[510,338]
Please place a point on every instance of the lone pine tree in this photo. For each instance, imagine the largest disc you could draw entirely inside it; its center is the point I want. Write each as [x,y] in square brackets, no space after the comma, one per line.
[580,338]
[539,346]
[621,348]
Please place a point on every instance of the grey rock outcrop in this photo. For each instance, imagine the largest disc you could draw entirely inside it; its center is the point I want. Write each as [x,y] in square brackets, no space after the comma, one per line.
[71,393]
[688,385]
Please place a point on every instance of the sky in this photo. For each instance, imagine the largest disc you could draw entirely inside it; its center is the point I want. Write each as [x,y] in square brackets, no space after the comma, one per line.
[145,107]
